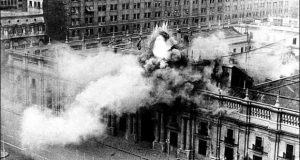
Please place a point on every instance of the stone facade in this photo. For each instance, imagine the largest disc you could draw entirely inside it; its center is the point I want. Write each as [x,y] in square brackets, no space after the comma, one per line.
[249,129]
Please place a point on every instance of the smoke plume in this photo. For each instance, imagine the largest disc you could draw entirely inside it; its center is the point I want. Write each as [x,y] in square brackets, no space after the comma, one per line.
[273,58]
[117,86]
[118,83]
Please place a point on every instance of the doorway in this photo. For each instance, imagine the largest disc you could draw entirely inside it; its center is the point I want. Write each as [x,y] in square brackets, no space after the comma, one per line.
[147,126]
[228,153]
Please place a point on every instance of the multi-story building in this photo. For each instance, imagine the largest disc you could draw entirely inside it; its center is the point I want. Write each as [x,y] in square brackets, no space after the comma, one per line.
[14,4]
[21,29]
[248,10]
[250,128]
[91,21]
[88,19]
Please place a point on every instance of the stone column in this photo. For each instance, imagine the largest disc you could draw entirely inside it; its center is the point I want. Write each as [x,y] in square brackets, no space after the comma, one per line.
[162,130]
[188,135]
[156,129]
[182,133]
[128,125]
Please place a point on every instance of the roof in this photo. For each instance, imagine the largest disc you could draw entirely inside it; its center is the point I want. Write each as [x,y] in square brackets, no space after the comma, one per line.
[228,32]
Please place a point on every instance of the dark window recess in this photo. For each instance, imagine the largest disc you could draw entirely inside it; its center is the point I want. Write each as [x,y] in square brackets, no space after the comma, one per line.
[256,157]
[173,139]
[202,147]
[49,99]
[229,139]
[289,152]
[258,144]
[203,129]
[228,153]
[258,141]
[294,40]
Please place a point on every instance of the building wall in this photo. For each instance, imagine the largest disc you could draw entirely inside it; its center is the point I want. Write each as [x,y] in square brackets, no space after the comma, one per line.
[249,123]
[14,4]
[31,79]
[20,30]
[246,11]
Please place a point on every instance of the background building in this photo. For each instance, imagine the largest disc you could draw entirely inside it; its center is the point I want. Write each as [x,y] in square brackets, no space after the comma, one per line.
[22,29]
[13,4]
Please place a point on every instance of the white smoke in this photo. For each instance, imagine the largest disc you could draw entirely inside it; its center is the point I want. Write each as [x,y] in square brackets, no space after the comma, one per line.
[273,58]
[209,48]
[117,86]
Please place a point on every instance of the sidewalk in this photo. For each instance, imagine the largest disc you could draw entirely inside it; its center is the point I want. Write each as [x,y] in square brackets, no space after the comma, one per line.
[142,149]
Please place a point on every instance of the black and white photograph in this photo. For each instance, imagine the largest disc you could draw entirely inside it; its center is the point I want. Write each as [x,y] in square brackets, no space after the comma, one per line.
[150,80]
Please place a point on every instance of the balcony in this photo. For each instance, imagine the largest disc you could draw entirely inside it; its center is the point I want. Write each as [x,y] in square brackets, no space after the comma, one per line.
[288,156]
[258,148]
[229,140]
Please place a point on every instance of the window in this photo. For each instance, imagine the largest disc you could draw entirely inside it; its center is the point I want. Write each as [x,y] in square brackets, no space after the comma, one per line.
[203,1]
[33,91]
[289,152]
[242,49]
[148,4]
[49,98]
[256,157]
[258,141]
[147,25]
[202,147]
[186,2]
[234,50]
[228,153]
[125,17]
[101,19]
[113,7]
[294,41]
[203,128]
[125,27]
[173,139]
[212,1]
[157,4]
[136,16]
[157,14]
[102,8]
[113,18]
[203,19]
[229,133]
[136,5]
[147,15]
[125,6]
[167,3]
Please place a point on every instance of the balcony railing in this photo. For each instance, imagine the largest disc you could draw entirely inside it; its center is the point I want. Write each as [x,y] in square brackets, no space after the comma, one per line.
[287,156]
[229,140]
[258,148]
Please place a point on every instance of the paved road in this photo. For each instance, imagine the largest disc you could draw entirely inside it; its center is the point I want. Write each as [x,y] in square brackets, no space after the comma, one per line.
[10,129]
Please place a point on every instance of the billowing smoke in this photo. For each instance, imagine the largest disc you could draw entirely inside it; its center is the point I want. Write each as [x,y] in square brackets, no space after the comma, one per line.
[273,58]
[209,48]
[118,83]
